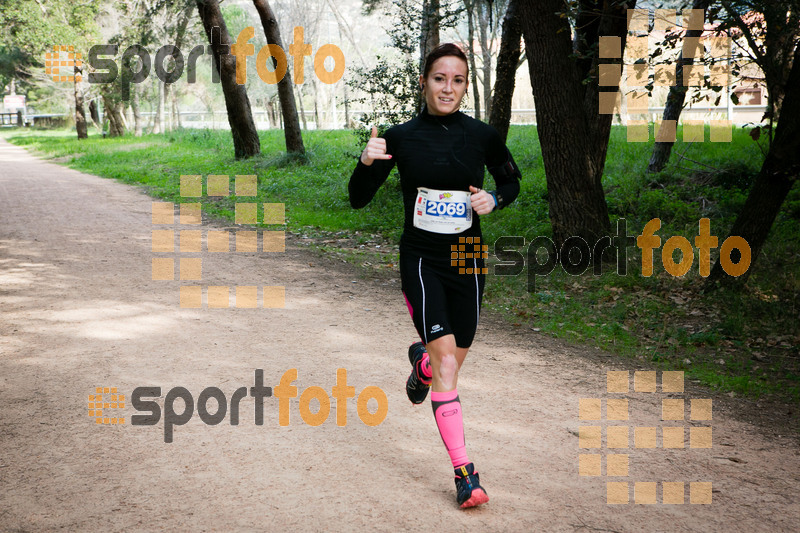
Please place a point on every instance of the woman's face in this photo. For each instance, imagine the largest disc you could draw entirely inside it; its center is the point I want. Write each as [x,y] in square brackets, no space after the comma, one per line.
[445,85]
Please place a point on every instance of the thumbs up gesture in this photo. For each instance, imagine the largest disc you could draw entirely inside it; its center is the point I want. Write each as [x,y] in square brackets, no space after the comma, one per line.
[375,149]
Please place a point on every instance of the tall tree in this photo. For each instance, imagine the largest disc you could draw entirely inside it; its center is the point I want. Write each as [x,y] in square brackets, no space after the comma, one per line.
[677,94]
[240,117]
[80,111]
[486,35]
[429,35]
[291,122]
[507,65]
[113,105]
[473,70]
[170,98]
[572,132]
[344,27]
[770,31]
[780,171]
[79,18]
[158,118]
[138,123]
[392,86]
[32,27]
[764,32]
[150,24]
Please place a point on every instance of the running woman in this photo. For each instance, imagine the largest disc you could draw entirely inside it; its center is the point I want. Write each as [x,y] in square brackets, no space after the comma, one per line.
[440,156]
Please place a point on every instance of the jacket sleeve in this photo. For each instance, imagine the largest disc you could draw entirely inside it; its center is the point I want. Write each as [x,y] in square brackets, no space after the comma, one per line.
[366,180]
[503,169]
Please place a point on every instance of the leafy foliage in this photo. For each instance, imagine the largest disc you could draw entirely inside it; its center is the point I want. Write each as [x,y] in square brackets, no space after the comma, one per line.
[392,84]
[30,28]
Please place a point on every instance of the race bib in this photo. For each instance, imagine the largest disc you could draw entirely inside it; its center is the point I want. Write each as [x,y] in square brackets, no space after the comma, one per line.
[442,211]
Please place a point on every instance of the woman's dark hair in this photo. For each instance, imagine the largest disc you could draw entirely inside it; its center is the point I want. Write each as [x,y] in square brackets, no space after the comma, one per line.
[447,49]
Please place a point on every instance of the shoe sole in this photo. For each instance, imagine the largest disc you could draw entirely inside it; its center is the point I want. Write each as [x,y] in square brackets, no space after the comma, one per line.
[478,497]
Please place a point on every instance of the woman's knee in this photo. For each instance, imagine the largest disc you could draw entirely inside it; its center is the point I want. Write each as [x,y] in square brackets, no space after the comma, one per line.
[445,362]
[448,366]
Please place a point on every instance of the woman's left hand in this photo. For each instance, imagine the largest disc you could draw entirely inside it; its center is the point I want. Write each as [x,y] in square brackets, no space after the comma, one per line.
[482,201]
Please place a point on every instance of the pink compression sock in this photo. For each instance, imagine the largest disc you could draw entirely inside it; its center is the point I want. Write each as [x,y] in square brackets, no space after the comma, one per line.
[447,411]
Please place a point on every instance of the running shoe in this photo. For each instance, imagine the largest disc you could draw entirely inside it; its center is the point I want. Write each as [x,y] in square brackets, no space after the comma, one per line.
[469,492]
[416,388]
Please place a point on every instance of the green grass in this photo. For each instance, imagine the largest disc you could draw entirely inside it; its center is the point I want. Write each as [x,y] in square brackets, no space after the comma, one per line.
[746,342]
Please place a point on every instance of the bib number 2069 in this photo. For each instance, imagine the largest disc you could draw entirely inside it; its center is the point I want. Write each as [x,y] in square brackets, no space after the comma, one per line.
[446,212]
[435,208]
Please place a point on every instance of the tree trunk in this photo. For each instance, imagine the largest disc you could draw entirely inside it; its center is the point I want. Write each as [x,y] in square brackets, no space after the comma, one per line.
[775,56]
[80,111]
[121,111]
[343,25]
[137,115]
[171,97]
[778,47]
[778,63]
[334,118]
[116,123]
[429,36]
[176,114]
[316,102]
[300,104]
[471,56]
[778,174]
[240,117]
[157,122]
[675,99]
[506,74]
[486,56]
[165,107]
[572,132]
[271,113]
[114,126]
[94,114]
[291,129]
[346,108]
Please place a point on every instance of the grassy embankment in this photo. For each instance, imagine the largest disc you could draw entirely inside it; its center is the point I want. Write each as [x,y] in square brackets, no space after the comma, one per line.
[744,342]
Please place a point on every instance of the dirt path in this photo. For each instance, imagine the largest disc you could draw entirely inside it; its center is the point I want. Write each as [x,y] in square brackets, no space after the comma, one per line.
[79,310]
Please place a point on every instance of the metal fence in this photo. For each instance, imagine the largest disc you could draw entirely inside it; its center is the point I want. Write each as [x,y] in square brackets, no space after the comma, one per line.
[11,119]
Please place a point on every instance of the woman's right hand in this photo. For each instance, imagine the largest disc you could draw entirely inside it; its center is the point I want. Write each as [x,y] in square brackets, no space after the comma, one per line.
[375,149]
